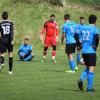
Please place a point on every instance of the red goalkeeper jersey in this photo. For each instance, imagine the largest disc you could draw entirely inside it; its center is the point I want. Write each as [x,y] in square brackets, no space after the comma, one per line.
[51,29]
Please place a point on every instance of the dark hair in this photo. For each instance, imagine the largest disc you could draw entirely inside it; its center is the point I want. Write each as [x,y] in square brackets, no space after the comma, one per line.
[66,16]
[92,19]
[52,15]
[82,17]
[5,15]
[26,39]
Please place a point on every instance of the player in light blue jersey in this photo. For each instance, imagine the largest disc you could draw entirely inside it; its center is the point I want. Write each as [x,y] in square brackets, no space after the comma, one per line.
[90,41]
[68,32]
[79,46]
[25,51]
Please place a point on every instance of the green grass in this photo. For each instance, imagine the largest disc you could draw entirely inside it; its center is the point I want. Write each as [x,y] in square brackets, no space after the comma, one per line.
[45,81]
[42,81]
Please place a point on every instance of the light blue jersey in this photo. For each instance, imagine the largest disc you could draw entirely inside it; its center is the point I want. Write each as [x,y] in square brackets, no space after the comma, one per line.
[78,30]
[69,28]
[25,48]
[88,32]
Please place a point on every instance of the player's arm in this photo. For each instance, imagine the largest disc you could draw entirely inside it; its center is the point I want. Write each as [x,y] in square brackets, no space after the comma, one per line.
[12,33]
[20,49]
[76,36]
[96,39]
[41,34]
[63,34]
[29,53]
[63,37]
[57,33]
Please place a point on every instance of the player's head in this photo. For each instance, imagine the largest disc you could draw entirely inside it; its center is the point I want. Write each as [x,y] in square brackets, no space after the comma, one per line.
[82,20]
[92,19]
[66,17]
[5,15]
[26,41]
[52,17]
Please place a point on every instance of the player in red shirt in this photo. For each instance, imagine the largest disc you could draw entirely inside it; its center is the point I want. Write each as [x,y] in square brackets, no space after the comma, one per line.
[51,37]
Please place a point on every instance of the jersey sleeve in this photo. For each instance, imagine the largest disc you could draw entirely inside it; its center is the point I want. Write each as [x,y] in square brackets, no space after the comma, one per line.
[30,47]
[97,31]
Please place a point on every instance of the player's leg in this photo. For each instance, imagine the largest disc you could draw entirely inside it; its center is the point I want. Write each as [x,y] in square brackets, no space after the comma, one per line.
[1,60]
[54,54]
[78,57]
[82,78]
[71,62]
[90,78]
[29,57]
[84,73]
[2,51]
[70,49]
[46,45]
[21,55]
[10,54]
[53,43]
[10,62]
[44,54]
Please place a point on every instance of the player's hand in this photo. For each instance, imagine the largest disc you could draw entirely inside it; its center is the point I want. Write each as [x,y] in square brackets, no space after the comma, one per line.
[12,42]
[57,38]
[41,39]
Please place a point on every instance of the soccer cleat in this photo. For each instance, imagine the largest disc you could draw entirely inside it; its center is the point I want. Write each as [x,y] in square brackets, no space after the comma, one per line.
[43,60]
[90,90]
[1,66]
[70,71]
[76,68]
[10,73]
[53,61]
[80,85]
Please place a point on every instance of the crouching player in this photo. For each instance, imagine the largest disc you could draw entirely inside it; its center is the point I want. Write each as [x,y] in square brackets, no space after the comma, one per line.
[51,37]
[25,51]
[6,40]
[90,41]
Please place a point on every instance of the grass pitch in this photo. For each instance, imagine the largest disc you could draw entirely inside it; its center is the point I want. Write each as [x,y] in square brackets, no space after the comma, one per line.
[45,81]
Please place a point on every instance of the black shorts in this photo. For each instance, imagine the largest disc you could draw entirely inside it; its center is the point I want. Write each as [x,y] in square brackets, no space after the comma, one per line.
[89,59]
[5,45]
[70,48]
[79,46]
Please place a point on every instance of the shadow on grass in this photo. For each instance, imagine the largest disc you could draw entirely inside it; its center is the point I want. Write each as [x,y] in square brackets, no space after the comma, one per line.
[28,61]
[65,89]
[53,70]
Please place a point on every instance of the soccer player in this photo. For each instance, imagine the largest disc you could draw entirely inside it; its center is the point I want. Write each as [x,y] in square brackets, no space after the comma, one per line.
[51,37]
[90,41]
[68,31]
[25,51]
[79,27]
[6,40]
